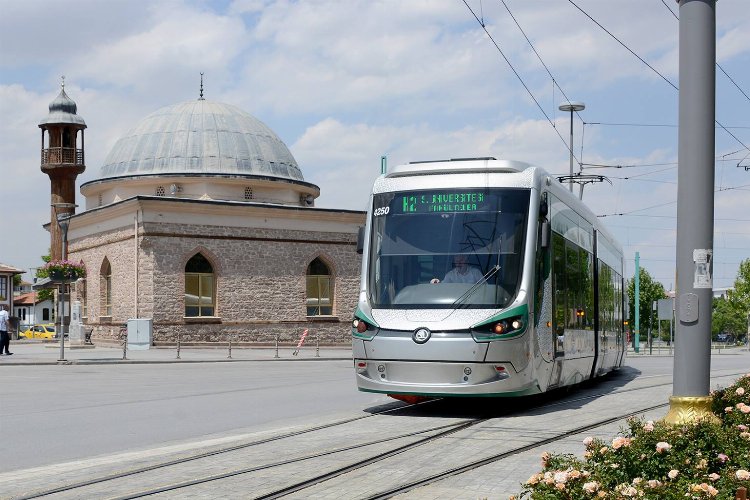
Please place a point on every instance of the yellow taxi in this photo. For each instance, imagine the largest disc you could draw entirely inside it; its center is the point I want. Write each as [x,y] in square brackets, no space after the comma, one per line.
[46,331]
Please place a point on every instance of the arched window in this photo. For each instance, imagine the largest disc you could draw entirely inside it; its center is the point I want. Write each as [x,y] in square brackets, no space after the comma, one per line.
[106,288]
[199,287]
[319,289]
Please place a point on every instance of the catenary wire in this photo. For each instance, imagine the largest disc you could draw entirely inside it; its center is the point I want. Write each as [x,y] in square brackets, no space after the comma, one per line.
[481,23]
[717,64]
[647,64]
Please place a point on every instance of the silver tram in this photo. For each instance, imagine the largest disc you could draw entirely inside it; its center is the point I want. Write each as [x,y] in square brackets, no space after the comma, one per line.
[484,277]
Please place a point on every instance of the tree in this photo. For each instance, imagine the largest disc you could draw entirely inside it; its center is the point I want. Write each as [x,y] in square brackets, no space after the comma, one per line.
[650,291]
[47,294]
[727,318]
[739,297]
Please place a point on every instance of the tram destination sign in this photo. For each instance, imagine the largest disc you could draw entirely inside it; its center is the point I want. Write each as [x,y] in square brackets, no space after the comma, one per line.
[442,201]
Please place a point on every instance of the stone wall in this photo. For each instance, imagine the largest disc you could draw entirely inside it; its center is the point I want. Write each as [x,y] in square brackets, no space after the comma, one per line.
[259,278]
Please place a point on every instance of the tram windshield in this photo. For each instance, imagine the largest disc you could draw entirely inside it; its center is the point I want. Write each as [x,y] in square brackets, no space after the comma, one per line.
[447,248]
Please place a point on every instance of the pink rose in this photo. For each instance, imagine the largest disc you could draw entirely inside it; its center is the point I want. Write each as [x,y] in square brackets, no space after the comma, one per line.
[673,473]
[661,447]
[742,475]
[590,487]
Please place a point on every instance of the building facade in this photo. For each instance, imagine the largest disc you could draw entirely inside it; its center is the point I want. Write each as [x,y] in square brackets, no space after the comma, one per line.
[202,222]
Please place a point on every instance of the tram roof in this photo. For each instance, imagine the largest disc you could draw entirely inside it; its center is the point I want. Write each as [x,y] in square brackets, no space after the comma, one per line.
[458,165]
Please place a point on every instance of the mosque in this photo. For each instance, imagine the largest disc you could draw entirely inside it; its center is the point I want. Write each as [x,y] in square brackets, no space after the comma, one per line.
[202,224]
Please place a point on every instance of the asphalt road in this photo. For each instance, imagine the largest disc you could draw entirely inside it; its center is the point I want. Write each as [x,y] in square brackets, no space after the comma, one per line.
[51,414]
[59,413]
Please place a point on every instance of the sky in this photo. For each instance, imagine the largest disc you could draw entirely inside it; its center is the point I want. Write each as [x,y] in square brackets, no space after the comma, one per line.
[345,82]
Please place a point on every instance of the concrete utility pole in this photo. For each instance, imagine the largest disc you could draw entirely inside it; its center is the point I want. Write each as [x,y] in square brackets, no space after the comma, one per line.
[695,212]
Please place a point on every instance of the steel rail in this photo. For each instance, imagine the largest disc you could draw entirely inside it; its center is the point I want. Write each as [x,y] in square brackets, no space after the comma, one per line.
[199,456]
[452,428]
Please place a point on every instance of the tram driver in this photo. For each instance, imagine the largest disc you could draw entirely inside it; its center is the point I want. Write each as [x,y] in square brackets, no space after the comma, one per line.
[462,272]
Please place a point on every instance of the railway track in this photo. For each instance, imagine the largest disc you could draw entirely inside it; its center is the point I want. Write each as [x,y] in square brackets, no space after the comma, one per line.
[359,452]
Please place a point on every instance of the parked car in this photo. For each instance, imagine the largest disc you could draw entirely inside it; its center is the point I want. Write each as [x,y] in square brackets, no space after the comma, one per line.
[46,331]
[725,338]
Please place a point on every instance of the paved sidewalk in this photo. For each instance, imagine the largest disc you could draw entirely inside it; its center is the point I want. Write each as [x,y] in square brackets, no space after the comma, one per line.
[32,352]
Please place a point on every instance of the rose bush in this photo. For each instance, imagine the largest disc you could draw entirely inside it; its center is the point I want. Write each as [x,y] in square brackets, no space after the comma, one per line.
[654,460]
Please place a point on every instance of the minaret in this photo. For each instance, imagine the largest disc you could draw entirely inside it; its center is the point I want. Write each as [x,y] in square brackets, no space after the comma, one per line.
[62,160]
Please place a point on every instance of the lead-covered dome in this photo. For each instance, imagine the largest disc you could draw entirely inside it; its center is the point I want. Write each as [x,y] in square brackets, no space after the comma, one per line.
[201,137]
[63,111]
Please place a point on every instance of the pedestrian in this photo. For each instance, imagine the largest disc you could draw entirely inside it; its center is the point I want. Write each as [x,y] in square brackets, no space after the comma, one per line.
[4,337]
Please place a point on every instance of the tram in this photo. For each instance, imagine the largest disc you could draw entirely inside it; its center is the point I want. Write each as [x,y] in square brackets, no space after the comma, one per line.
[483,278]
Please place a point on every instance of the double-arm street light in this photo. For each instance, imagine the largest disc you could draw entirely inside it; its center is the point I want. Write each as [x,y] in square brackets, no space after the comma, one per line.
[571,106]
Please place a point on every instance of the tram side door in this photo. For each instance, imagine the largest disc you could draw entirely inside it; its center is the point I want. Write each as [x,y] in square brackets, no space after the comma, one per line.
[559,314]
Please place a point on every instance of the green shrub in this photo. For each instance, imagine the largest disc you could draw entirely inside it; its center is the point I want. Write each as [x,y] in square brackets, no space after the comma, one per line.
[654,460]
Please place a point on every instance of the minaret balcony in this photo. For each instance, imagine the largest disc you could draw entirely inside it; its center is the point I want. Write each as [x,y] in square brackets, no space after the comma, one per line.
[62,156]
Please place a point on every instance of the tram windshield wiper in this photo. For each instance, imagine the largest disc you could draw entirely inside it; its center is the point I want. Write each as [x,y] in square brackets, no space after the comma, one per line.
[468,293]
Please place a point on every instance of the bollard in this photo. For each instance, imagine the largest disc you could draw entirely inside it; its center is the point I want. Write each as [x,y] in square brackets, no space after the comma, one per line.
[317,347]
[277,346]
[124,337]
[301,341]
[178,345]
[230,347]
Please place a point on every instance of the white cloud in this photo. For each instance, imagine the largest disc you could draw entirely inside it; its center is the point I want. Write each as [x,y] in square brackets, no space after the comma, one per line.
[345,82]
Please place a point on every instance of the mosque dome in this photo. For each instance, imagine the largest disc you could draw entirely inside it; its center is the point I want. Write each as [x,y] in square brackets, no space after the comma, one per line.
[201,137]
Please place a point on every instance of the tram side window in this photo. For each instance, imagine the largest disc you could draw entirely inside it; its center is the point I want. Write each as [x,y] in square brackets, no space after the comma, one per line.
[606,297]
[572,286]
[558,282]
[586,261]
[618,312]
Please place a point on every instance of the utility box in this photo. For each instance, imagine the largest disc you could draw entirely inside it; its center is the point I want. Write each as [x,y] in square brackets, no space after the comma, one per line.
[75,332]
[139,334]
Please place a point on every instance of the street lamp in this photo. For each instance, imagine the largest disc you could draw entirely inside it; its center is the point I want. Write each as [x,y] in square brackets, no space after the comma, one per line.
[571,106]
[63,220]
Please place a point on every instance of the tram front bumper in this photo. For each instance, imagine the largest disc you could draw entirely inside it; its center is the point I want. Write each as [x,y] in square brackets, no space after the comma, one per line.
[427,378]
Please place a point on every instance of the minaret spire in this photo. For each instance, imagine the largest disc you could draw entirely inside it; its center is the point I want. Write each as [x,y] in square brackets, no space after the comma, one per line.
[201,97]
[62,160]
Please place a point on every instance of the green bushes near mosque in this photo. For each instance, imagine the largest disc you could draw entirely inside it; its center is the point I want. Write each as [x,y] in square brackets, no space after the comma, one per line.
[654,460]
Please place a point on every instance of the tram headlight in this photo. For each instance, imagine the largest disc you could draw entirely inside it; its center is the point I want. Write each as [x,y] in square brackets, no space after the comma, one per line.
[362,329]
[359,325]
[500,329]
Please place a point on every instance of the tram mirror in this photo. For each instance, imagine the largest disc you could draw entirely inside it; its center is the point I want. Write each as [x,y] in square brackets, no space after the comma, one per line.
[543,208]
[545,234]
[361,240]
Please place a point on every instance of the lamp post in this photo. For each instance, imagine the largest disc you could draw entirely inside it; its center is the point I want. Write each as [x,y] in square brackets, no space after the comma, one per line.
[571,106]
[63,220]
